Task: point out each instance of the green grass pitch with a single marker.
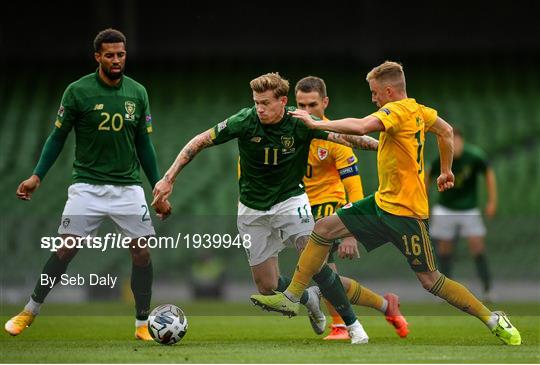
(235, 333)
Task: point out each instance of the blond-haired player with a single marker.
(274, 211)
(332, 180)
(398, 212)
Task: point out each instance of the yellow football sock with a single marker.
(336, 318)
(360, 295)
(460, 297)
(311, 260)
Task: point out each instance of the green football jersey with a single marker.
(273, 157)
(107, 120)
(466, 170)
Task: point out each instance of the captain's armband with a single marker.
(348, 171)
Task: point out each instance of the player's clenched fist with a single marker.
(445, 181)
(27, 187)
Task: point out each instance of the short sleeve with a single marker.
(344, 156)
(430, 116)
(67, 112)
(389, 119)
(231, 127)
(318, 134)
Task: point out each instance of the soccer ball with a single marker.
(167, 324)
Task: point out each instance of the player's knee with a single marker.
(428, 279)
(301, 243)
(444, 248)
(66, 254)
(141, 258)
(427, 285)
(477, 249)
(140, 254)
(323, 228)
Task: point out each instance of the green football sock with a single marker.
(483, 271)
(141, 286)
(54, 268)
(283, 283)
(333, 291)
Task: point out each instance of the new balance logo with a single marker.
(98, 107)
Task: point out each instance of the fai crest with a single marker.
(322, 153)
(287, 142)
(130, 109)
(66, 222)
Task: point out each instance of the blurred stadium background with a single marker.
(476, 64)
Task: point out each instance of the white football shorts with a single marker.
(272, 230)
(88, 205)
(448, 224)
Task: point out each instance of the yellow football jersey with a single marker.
(322, 180)
(400, 158)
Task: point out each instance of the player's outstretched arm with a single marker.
(361, 142)
(445, 140)
(354, 126)
(163, 188)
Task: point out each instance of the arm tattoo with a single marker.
(188, 153)
(361, 142)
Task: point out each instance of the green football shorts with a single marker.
(374, 227)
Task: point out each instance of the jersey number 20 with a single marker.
(116, 122)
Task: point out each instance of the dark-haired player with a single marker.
(110, 114)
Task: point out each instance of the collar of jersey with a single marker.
(102, 83)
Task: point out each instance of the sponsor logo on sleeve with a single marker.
(148, 120)
(351, 159)
(61, 111)
(387, 111)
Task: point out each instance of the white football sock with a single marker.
(140, 322)
(32, 306)
(384, 306)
